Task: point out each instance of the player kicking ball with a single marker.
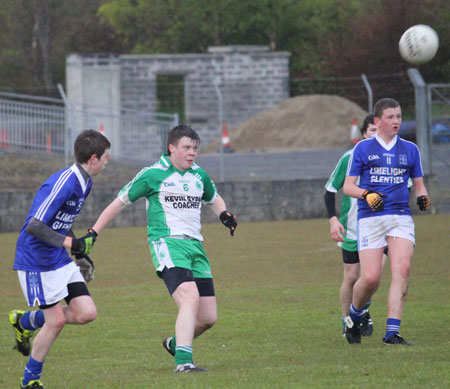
(384, 164)
(175, 188)
(47, 273)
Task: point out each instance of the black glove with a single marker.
(229, 220)
(86, 266)
(374, 199)
(84, 244)
(423, 202)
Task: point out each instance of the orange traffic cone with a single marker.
(4, 139)
(226, 139)
(102, 129)
(354, 132)
(49, 143)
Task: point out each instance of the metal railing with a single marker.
(31, 125)
(50, 125)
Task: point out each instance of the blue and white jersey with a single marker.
(385, 169)
(57, 204)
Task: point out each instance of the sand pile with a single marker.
(303, 122)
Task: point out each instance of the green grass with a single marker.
(277, 286)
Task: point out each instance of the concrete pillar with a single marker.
(93, 87)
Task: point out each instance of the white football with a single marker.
(418, 44)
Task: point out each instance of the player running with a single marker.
(47, 273)
(343, 230)
(175, 188)
(384, 164)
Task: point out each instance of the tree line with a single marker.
(326, 38)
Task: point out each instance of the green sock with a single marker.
(343, 321)
(367, 304)
(183, 354)
(172, 344)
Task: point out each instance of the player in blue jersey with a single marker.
(343, 230)
(384, 164)
(47, 273)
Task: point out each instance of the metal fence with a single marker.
(439, 112)
(42, 124)
(134, 135)
(38, 126)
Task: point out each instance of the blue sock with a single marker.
(392, 327)
(33, 371)
(32, 320)
(356, 314)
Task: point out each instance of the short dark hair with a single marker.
(88, 143)
(367, 120)
(176, 133)
(383, 104)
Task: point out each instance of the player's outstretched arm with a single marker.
(108, 214)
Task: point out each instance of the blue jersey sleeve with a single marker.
(416, 168)
(49, 200)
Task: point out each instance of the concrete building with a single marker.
(250, 79)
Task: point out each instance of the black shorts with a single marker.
(175, 276)
(75, 289)
(350, 257)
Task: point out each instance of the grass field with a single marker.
(277, 285)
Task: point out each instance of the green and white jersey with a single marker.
(349, 206)
(173, 198)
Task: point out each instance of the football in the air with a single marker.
(418, 44)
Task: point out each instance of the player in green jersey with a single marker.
(175, 188)
(343, 230)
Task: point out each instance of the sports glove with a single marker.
(84, 244)
(423, 202)
(229, 220)
(374, 199)
(86, 266)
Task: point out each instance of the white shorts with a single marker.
(373, 231)
(48, 287)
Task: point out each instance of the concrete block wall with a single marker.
(251, 201)
(251, 79)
